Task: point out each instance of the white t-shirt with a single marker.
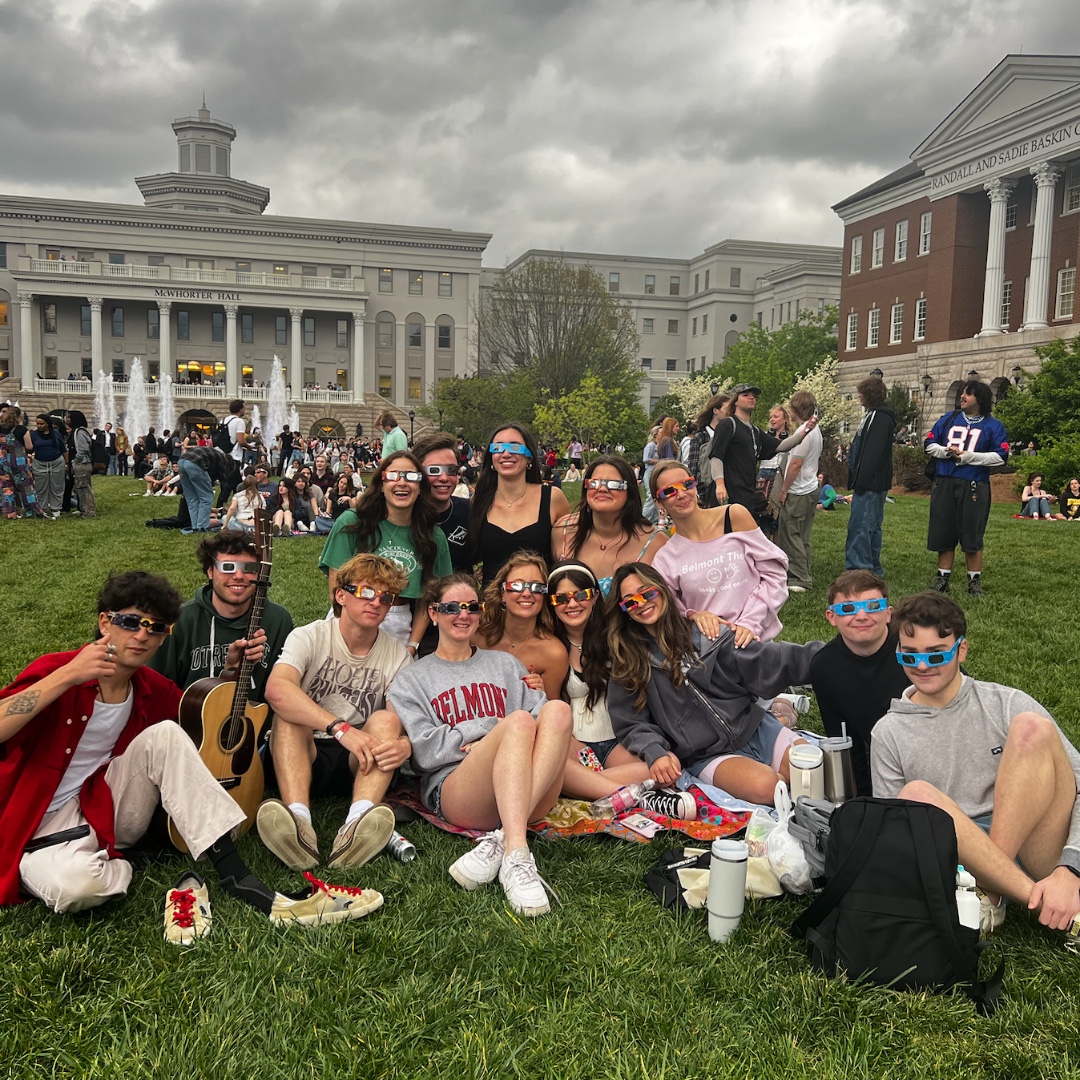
(236, 425)
(809, 452)
(349, 686)
(95, 747)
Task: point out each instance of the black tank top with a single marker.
(497, 545)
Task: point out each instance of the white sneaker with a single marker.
(481, 863)
(147, 494)
(187, 910)
(525, 889)
(991, 916)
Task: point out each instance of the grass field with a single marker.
(441, 982)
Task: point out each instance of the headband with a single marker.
(561, 569)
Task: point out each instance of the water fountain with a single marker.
(137, 415)
(102, 392)
(277, 413)
(166, 404)
(294, 419)
(256, 418)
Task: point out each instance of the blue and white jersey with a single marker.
(979, 434)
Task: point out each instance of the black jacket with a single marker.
(870, 457)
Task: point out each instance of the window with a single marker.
(385, 386)
(339, 272)
(896, 324)
(1066, 290)
(247, 329)
(3, 256)
(281, 330)
(444, 336)
(280, 268)
(873, 331)
(852, 331)
(183, 326)
(414, 335)
(52, 254)
(613, 282)
(153, 323)
(117, 258)
(82, 256)
(309, 331)
(85, 328)
(673, 326)
(384, 329)
(673, 285)
(707, 273)
(1010, 212)
(920, 318)
(117, 322)
(386, 281)
(118, 369)
(671, 365)
(446, 284)
(735, 277)
(900, 253)
(414, 387)
(697, 283)
(856, 254)
(343, 333)
(416, 282)
(217, 325)
(760, 318)
(52, 363)
(646, 363)
(308, 270)
(243, 266)
(1072, 188)
(1006, 304)
(704, 324)
(924, 232)
(877, 251)
(647, 326)
(693, 327)
(821, 305)
(48, 318)
(309, 376)
(650, 284)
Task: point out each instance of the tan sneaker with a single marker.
(288, 836)
(991, 916)
(187, 910)
(326, 904)
(361, 840)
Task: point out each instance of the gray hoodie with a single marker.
(715, 711)
(958, 749)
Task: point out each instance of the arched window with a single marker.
(729, 339)
(414, 331)
(444, 333)
(385, 325)
(327, 428)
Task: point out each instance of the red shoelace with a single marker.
(316, 885)
(183, 904)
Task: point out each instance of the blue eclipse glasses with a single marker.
(853, 607)
(509, 448)
(930, 659)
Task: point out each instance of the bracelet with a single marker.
(414, 645)
(329, 729)
(340, 734)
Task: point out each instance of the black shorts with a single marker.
(331, 773)
(959, 511)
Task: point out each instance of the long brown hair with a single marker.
(630, 518)
(488, 481)
(594, 657)
(493, 620)
(631, 645)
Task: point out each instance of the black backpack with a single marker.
(223, 438)
(887, 915)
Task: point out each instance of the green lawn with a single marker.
(441, 982)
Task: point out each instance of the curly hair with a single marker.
(493, 620)
(150, 593)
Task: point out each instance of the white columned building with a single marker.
(1038, 295)
(999, 192)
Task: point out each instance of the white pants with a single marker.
(161, 765)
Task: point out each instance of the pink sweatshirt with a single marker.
(741, 577)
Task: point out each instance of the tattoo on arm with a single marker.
(23, 703)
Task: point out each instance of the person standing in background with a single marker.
(869, 477)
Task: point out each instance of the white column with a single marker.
(232, 380)
(401, 385)
(356, 380)
(999, 191)
(26, 368)
(165, 339)
(427, 389)
(1037, 300)
(296, 341)
(97, 349)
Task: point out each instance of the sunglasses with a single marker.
(561, 598)
(611, 485)
(366, 592)
(509, 448)
(456, 607)
(930, 659)
(646, 596)
(134, 623)
(853, 607)
(442, 470)
(673, 489)
(525, 586)
(231, 566)
(393, 475)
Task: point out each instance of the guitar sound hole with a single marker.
(232, 736)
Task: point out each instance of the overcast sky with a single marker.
(646, 127)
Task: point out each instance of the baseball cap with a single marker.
(745, 388)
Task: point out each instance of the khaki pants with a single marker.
(793, 537)
(161, 765)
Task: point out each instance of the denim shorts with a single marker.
(767, 745)
(602, 748)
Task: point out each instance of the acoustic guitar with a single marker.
(222, 723)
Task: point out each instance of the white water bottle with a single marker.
(727, 887)
(618, 802)
(967, 900)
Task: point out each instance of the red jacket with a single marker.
(34, 759)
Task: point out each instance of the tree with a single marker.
(904, 409)
(559, 322)
(472, 405)
(834, 409)
(593, 412)
(774, 359)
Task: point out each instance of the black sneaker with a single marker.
(975, 585)
(672, 804)
(940, 582)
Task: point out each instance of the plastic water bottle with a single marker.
(727, 888)
(967, 900)
(618, 802)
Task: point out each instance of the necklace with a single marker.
(576, 644)
(511, 502)
(514, 644)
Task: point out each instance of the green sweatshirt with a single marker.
(185, 656)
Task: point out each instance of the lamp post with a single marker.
(440, 419)
(927, 394)
(1017, 374)
(973, 375)
(412, 420)
(877, 373)
(715, 388)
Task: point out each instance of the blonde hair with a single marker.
(493, 620)
(378, 572)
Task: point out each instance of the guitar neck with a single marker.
(263, 544)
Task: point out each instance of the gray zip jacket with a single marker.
(715, 711)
